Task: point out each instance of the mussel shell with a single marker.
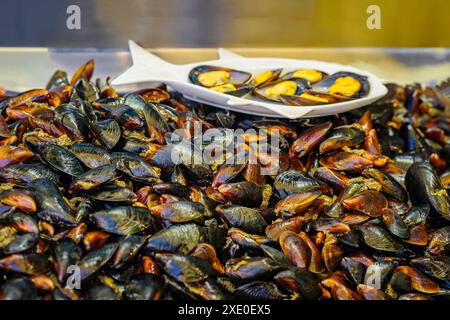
(23, 173)
(53, 208)
(299, 85)
(61, 159)
(177, 238)
(91, 155)
(295, 248)
(395, 224)
(225, 173)
(354, 270)
(436, 266)
(416, 215)
(107, 132)
(95, 260)
(266, 76)
(122, 220)
(127, 117)
(296, 203)
(73, 120)
(440, 241)
(316, 75)
(309, 139)
(235, 76)
(157, 126)
(371, 293)
(247, 219)
(327, 83)
(23, 222)
(378, 273)
(368, 202)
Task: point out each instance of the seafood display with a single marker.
(107, 195)
(302, 87)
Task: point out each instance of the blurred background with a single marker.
(413, 43)
(227, 23)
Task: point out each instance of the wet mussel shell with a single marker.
(123, 220)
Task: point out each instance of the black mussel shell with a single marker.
(107, 132)
(347, 84)
(122, 220)
(212, 76)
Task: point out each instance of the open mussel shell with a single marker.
(380, 239)
(273, 90)
(237, 90)
(265, 77)
(345, 84)
(211, 76)
(25, 263)
(177, 238)
(184, 268)
(294, 181)
(93, 178)
(135, 166)
(179, 211)
(300, 281)
(23, 173)
(67, 253)
(51, 205)
(246, 219)
(113, 193)
(18, 289)
(310, 75)
(95, 260)
(144, 287)
(259, 290)
(100, 291)
(255, 268)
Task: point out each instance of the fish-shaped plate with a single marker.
(147, 67)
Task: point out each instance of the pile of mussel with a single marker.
(302, 87)
(93, 204)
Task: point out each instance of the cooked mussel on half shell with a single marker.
(275, 90)
(221, 79)
(310, 75)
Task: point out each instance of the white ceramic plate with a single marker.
(148, 68)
